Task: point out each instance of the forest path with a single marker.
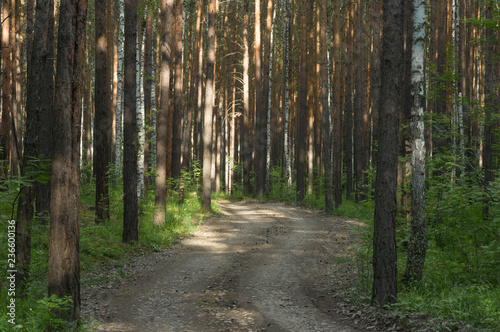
(258, 267)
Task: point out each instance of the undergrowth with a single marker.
(101, 247)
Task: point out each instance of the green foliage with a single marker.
(101, 245)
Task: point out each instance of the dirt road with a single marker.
(259, 267)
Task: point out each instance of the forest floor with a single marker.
(257, 267)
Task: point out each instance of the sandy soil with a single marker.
(258, 267)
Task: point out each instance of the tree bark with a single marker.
(5, 133)
(38, 101)
(337, 108)
(162, 131)
(491, 104)
(418, 237)
(209, 102)
(130, 200)
(102, 116)
(348, 148)
(302, 111)
(327, 157)
(384, 289)
(64, 233)
(178, 111)
(147, 82)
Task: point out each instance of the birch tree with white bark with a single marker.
(418, 237)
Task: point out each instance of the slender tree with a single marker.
(384, 289)
(39, 101)
(418, 237)
(130, 200)
(337, 107)
(327, 157)
(178, 111)
(5, 123)
(302, 110)
(162, 132)
(102, 115)
(491, 102)
(209, 102)
(64, 233)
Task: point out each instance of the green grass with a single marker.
(101, 247)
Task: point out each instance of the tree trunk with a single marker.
(384, 289)
(102, 115)
(130, 201)
(327, 157)
(5, 132)
(359, 107)
(302, 111)
(178, 111)
(286, 94)
(209, 102)
(162, 131)
(246, 154)
(418, 237)
(337, 108)
(491, 105)
(348, 148)
(38, 101)
(147, 82)
(64, 233)
(119, 93)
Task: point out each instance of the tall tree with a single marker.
(348, 146)
(491, 101)
(39, 101)
(209, 102)
(148, 83)
(302, 110)
(359, 106)
(384, 289)
(418, 237)
(5, 130)
(246, 154)
(178, 111)
(64, 233)
(327, 156)
(337, 107)
(162, 131)
(102, 115)
(130, 200)
(260, 114)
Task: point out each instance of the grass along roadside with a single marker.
(101, 248)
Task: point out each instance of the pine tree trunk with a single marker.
(359, 107)
(64, 266)
(246, 154)
(130, 187)
(491, 106)
(337, 108)
(5, 132)
(302, 111)
(348, 146)
(327, 157)
(102, 116)
(178, 111)
(209, 102)
(39, 96)
(162, 132)
(384, 289)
